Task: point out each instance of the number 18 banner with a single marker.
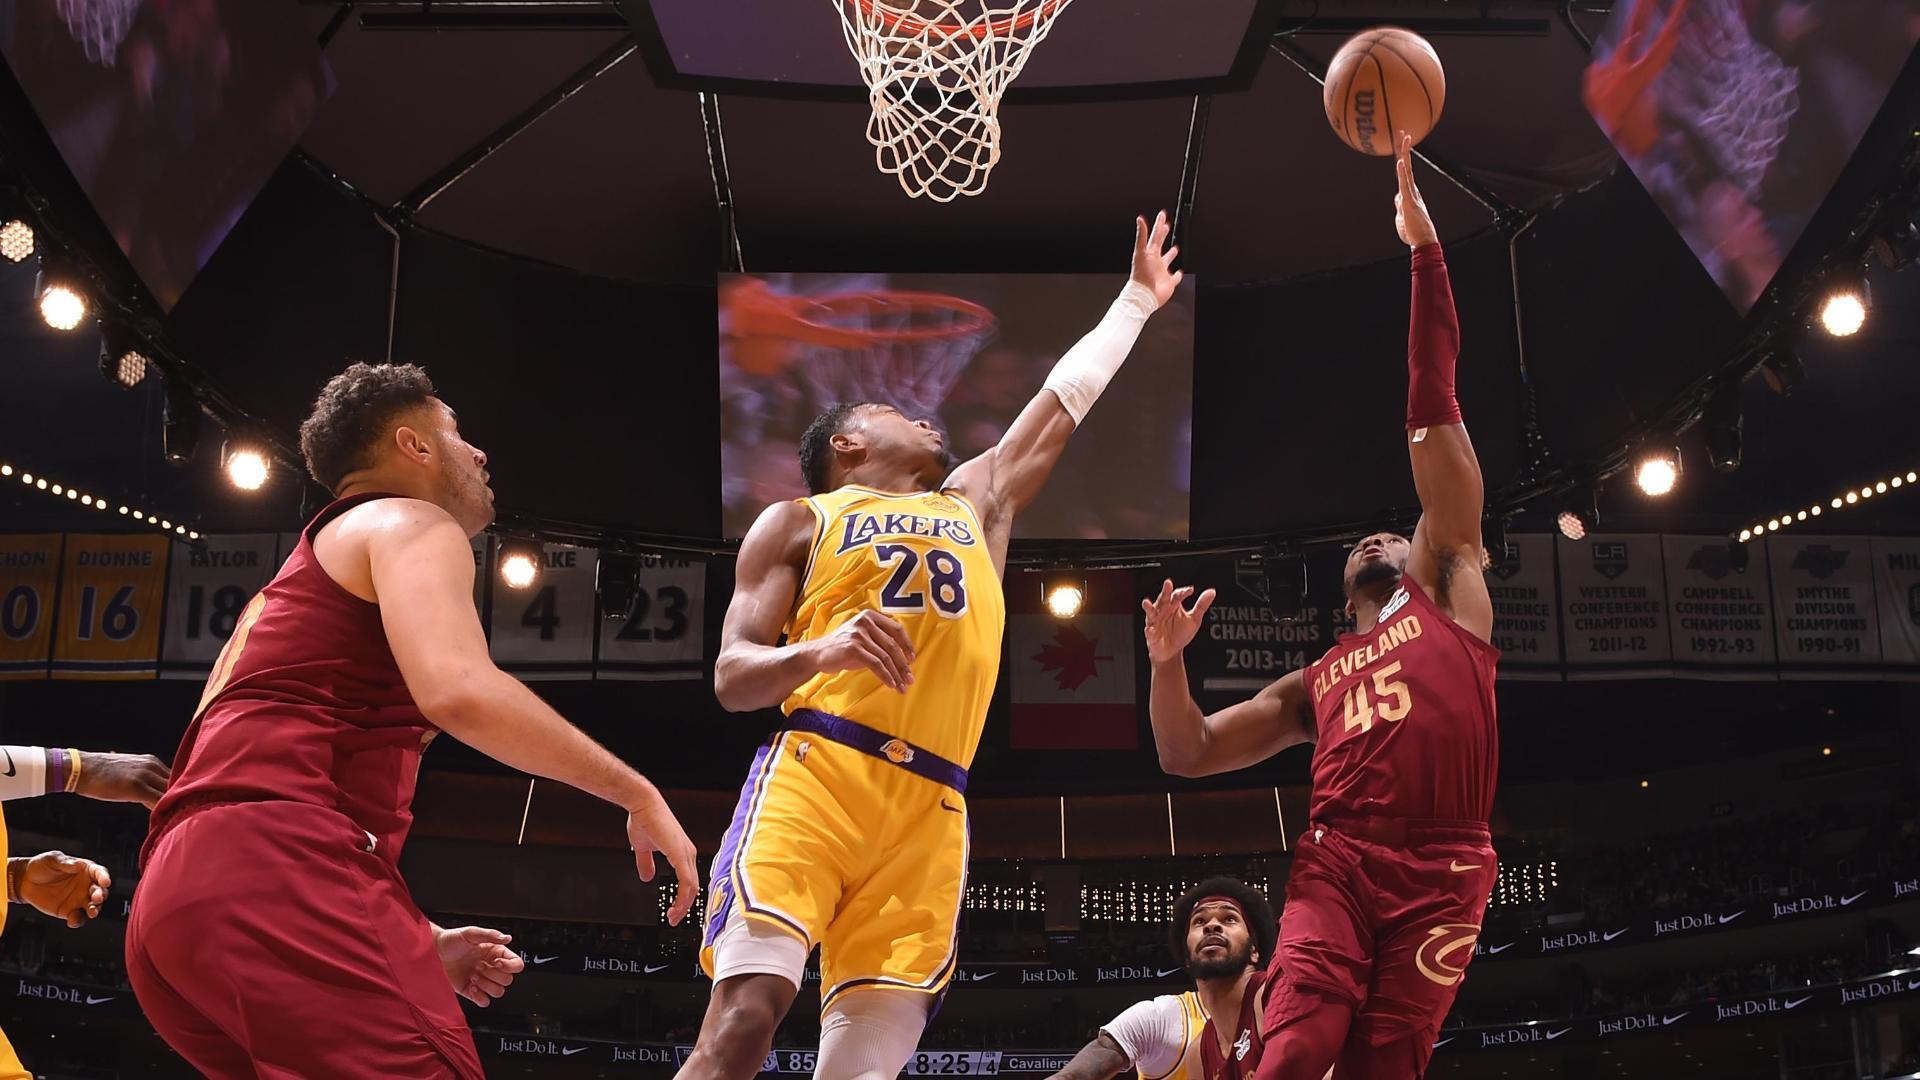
(110, 595)
(208, 589)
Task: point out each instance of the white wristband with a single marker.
(1085, 370)
(23, 772)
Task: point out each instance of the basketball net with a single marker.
(1735, 94)
(98, 26)
(935, 77)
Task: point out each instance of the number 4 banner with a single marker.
(110, 596)
(545, 631)
(209, 587)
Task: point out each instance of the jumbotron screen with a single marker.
(966, 352)
(1737, 116)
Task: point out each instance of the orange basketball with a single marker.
(1382, 81)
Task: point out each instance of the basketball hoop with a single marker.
(935, 78)
(98, 26)
(905, 349)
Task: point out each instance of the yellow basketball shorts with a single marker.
(851, 853)
(10, 1068)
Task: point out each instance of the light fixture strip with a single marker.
(1848, 497)
(39, 482)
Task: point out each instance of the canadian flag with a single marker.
(1073, 678)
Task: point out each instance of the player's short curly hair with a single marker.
(1261, 925)
(816, 444)
(353, 413)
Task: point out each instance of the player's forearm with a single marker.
(749, 676)
(497, 715)
(1179, 726)
(1433, 344)
(33, 770)
(1084, 372)
(1101, 1059)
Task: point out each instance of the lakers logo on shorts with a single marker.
(897, 751)
(1443, 956)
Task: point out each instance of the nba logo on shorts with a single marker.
(897, 751)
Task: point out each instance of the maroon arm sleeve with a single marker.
(1433, 343)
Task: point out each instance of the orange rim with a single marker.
(760, 313)
(912, 24)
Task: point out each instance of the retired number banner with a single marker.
(1896, 575)
(29, 584)
(545, 631)
(664, 639)
(207, 589)
(111, 591)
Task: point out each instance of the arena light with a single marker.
(247, 465)
(1658, 471)
(1848, 497)
(1064, 592)
(123, 358)
(1726, 430)
(179, 423)
(519, 563)
(1844, 309)
(17, 240)
(58, 295)
(80, 497)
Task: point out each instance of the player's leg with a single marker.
(327, 967)
(1324, 960)
(1398, 1059)
(756, 968)
(870, 1034)
(211, 1051)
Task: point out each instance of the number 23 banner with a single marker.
(111, 592)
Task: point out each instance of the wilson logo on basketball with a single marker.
(1443, 956)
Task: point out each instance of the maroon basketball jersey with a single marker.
(305, 704)
(1405, 715)
(1246, 1042)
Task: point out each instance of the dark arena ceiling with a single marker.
(560, 182)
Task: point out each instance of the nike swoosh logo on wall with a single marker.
(1459, 867)
(651, 968)
(1611, 934)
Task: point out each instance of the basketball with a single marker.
(1381, 81)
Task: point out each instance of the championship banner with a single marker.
(29, 586)
(1073, 684)
(546, 631)
(1823, 590)
(1244, 645)
(1613, 600)
(1896, 580)
(112, 588)
(1526, 615)
(207, 589)
(1722, 617)
(665, 640)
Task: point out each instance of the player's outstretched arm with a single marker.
(1101, 1059)
(1008, 477)
(422, 572)
(34, 770)
(1194, 743)
(1445, 560)
(753, 670)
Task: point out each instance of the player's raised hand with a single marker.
(57, 884)
(652, 827)
(478, 962)
(1153, 266)
(1410, 217)
(140, 778)
(873, 641)
(1171, 624)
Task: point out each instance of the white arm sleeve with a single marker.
(25, 772)
(1085, 370)
(1152, 1033)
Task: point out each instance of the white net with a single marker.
(935, 72)
(1735, 95)
(909, 355)
(99, 26)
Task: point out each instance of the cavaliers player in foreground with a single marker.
(1391, 880)
(872, 613)
(271, 934)
(1222, 934)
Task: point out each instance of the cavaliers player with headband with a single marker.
(272, 934)
(871, 613)
(1223, 936)
(1391, 880)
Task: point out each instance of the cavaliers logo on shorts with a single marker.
(1443, 956)
(897, 751)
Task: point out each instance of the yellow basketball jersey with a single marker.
(922, 559)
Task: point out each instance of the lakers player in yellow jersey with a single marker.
(1223, 931)
(871, 614)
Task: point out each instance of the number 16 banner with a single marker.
(209, 587)
(110, 595)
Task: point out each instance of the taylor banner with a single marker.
(208, 588)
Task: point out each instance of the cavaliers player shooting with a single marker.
(1391, 879)
(272, 934)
